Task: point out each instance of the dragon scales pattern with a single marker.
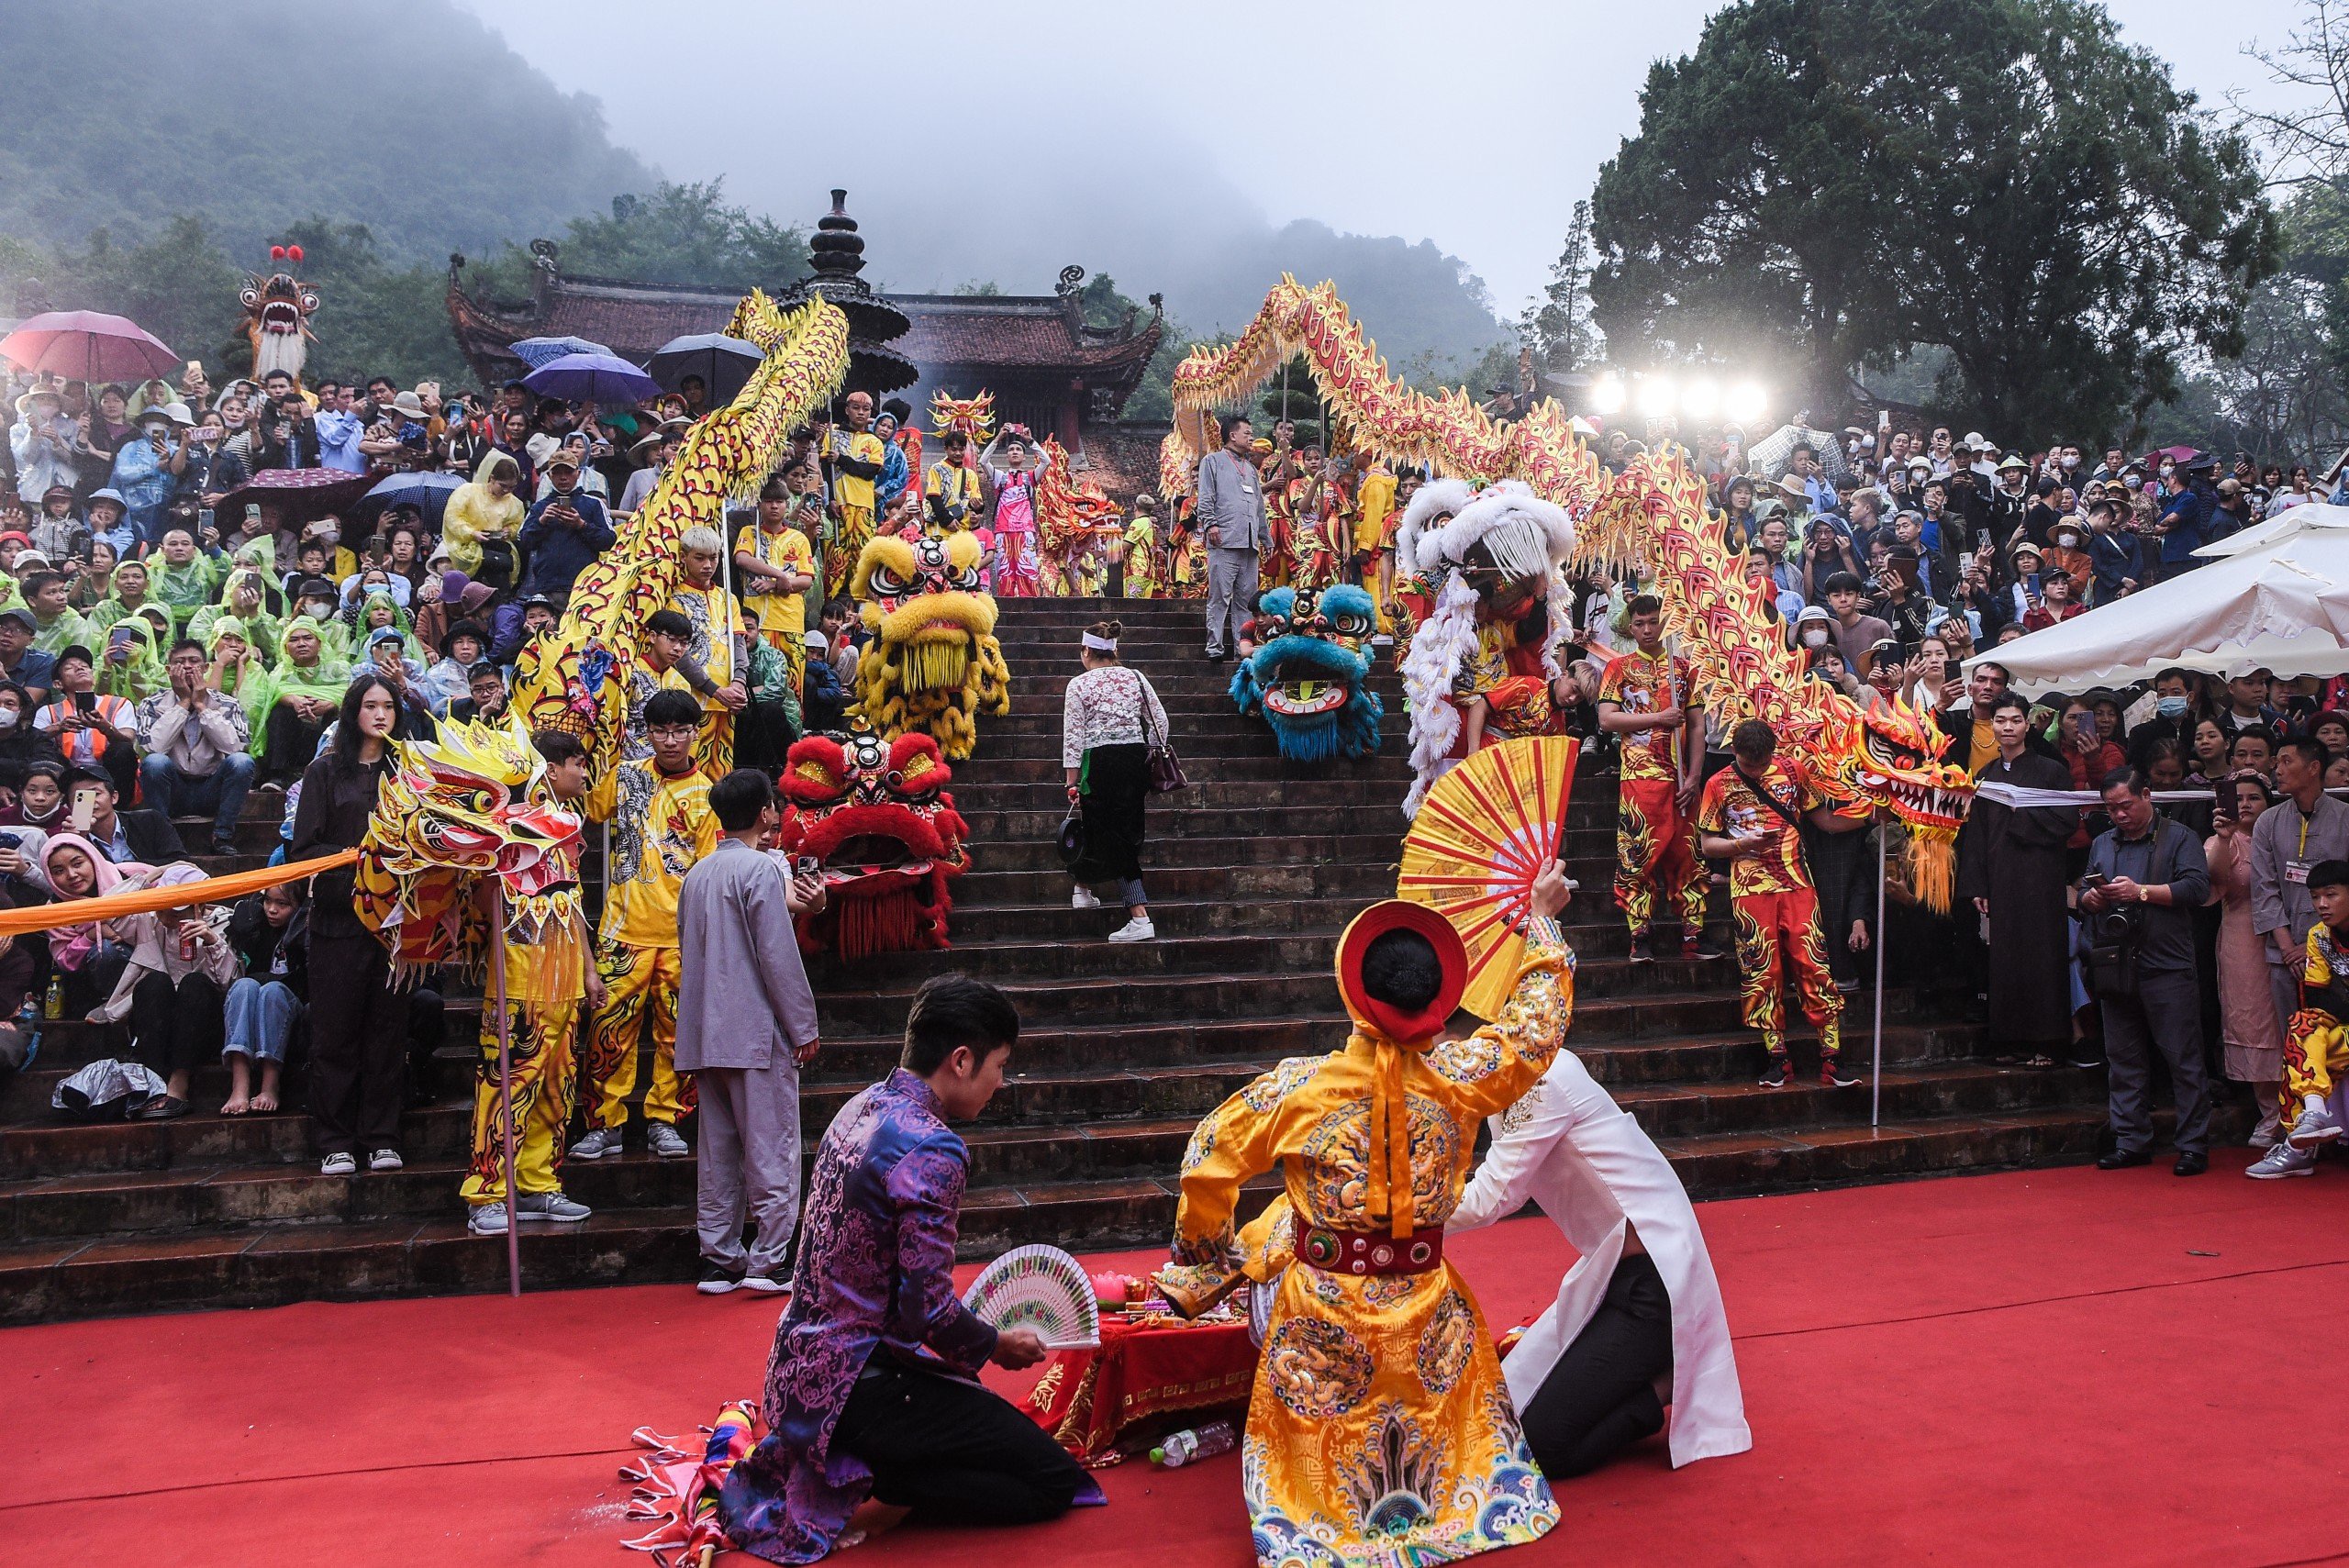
(575, 680)
(1651, 519)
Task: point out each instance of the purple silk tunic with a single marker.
(876, 1273)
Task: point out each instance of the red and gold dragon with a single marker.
(872, 819)
(1072, 516)
(1651, 518)
(574, 678)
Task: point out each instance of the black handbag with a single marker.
(1072, 840)
(1165, 767)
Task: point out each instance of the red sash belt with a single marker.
(1371, 1251)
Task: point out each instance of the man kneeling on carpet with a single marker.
(2316, 1040)
(872, 1390)
(1638, 1323)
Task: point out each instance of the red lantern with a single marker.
(293, 254)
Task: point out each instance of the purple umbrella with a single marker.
(590, 378)
(87, 345)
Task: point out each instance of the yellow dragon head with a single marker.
(933, 662)
(452, 813)
(973, 416)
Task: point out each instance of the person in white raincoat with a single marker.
(1586, 1376)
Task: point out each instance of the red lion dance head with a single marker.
(873, 820)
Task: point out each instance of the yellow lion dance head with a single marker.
(934, 664)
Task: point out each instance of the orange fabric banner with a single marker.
(147, 900)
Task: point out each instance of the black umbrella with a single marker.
(723, 363)
(428, 492)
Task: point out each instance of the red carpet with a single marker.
(2064, 1366)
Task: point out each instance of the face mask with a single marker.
(2067, 542)
(1815, 639)
(2170, 708)
(2168, 473)
(2071, 462)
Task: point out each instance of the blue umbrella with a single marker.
(590, 378)
(537, 352)
(428, 492)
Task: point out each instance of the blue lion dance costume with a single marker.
(1310, 674)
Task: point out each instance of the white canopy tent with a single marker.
(2281, 606)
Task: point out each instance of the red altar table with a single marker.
(1146, 1367)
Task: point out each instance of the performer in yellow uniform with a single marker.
(855, 455)
(1379, 1433)
(659, 812)
(775, 564)
(1374, 504)
(544, 983)
(1141, 553)
(953, 497)
(717, 646)
(2316, 1043)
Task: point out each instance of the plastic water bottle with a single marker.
(28, 1021)
(54, 1004)
(1193, 1444)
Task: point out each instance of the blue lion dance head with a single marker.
(1309, 674)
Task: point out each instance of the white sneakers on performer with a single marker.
(386, 1160)
(486, 1219)
(665, 1140)
(1138, 930)
(596, 1144)
(345, 1165)
(2316, 1126)
(1083, 899)
(2284, 1160)
(556, 1207)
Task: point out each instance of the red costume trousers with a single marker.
(1656, 852)
(1769, 924)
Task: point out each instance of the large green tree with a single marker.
(1829, 184)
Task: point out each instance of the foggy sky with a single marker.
(1105, 131)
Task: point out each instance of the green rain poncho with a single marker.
(141, 673)
(182, 590)
(245, 598)
(366, 624)
(251, 685)
(112, 608)
(324, 680)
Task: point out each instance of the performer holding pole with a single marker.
(1376, 1433)
(523, 1098)
(1645, 698)
(1752, 815)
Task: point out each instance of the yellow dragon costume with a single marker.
(934, 664)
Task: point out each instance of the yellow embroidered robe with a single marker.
(1379, 1434)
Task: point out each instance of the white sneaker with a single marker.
(386, 1160)
(338, 1165)
(1138, 930)
(765, 1285)
(1083, 899)
(2316, 1126)
(2284, 1160)
(486, 1219)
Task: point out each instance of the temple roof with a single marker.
(1000, 338)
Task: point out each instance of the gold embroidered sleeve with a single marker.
(1496, 1064)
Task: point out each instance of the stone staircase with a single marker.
(1252, 873)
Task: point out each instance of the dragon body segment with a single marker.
(1070, 515)
(1650, 517)
(575, 679)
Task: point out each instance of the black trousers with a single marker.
(952, 1451)
(175, 1029)
(359, 1042)
(1600, 1398)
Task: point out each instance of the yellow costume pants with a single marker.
(2316, 1052)
(543, 1069)
(637, 980)
(848, 543)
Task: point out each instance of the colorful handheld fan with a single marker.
(1041, 1288)
(1483, 834)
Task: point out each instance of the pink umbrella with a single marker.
(87, 345)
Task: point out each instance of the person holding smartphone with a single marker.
(91, 730)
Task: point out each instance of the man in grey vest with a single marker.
(1231, 519)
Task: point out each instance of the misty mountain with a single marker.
(418, 121)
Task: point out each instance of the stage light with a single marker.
(1702, 398)
(1606, 394)
(1658, 396)
(1747, 403)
